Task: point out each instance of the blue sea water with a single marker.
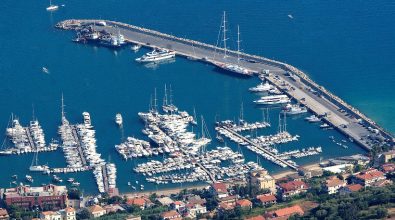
(347, 47)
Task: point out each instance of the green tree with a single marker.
(84, 214)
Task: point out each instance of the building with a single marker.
(141, 202)
(96, 211)
(350, 188)
(171, 215)
(388, 168)
(50, 215)
(267, 199)
(225, 206)
(220, 190)
(333, 184)
(292, 188)
(263, 180)
(258, 217)
(368, 177)
(133, 217)
(166, 201)
(64, 214)
(178, 205)
(192, 210)
(244, 203)
(387, 156)
(285, 213)
(49, 197)
(113, 208)
(68, 213)
(4, 214)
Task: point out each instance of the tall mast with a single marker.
(224, 30)
(241, 117)
(238, 43)
(171, 96)
(155, 107)
(63, 117)
(285, 122)
(165, 98)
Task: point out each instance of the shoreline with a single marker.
(164, 192)
(310, 166)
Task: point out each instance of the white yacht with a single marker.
(52, 7)
(263, 87)
(118, 119)
(234, 68)
(34, 167)
(313, 119)
(87, 119)
(295, 109)
(272, 100)
(156, 55)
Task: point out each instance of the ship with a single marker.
(262, 87)
(157, 55)
(295, 109)
(273, 100)
(234, 68)
(118, 119)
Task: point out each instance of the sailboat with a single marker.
(194, 122)
(34, 167)
(230, 67)
(52, 7)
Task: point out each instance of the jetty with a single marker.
(332, 109)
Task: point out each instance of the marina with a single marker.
(351, 122)
(107, 80)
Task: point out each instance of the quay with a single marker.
(275, 157)
(333, 110)
(79, 147)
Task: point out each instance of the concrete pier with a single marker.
(334, 111)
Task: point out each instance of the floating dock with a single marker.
(334, 111)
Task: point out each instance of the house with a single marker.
(350, 188)
(141, 202)
(50, 215)
(229, 199)
(96, 211)
(267, 199)
(333, 184)
(133, 217)
(244, 203)
(220, 190)
(75, 203)
(166, 201)
(68, 213)
(171, 215)
(368, 177)
(285, 213)
(293, 188)
(113, 208)
(178, 205)
(45, 197)
(258, 217)
(387, 156)
(388, 168)
(192, 210)
(224, 206)
(195, 199)
(381, 183)
(263, 180)
(4, 214)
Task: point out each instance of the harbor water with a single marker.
(347, 49)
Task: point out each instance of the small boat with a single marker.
(263, 87)
(118, 119)
(70, 180)
(290, 16)
(325, 125)
(45, 70)
(56, 179)
(15, 176)
(135, 47)
(312, 119)
(52, 7)
(29, 178)
(129, 184)
(75, 184)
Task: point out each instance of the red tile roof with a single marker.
(289, 211)
(244, 203)
(266, 198)
(259, 217)
(370, 174)
(170, 214)
(293, 185)
(178, 203)
(388, 167)
(226, 206)
(354, 187)
(220, 187)
(3, 212)
(137, 201)
(334, 181)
